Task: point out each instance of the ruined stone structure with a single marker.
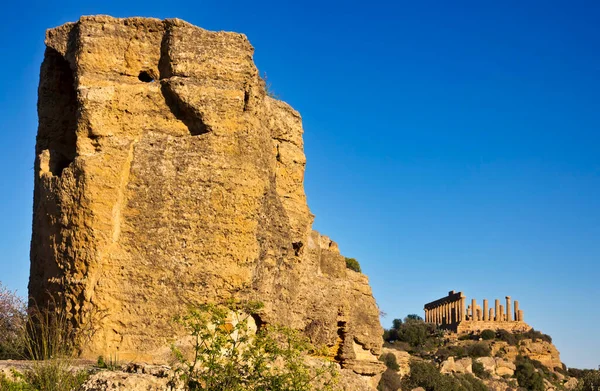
(166, 176)
(453, 313)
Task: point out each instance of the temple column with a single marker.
(473, 309)
(455, 312)
(497, 311)
(517, 310)
(501, 313)
(463, 312)
(485, 309)
(491, 317)
(509, 316)
(521, 315)
(446, 311)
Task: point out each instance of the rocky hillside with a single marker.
(420, 355)
(166, 176)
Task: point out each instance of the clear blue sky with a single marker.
(449, 146)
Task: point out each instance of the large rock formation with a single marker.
(165, 175)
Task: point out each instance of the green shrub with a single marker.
(514, 338)
(426, 375)
(55, 375)
(390, 381)
(589, 379)
(488, 335)
(527, 376)
(390, 335)
(478, 350)
(423, 374)
(419, 336)
(17, 384)
(480, 371)
(468, 382)
(353, 264)
(451, 351)
(390, 361)
(534, 335)
(228, 356)
(507, 337)
(111, 364)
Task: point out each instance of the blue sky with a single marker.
(450, 146)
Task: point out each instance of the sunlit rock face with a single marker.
(165, 176)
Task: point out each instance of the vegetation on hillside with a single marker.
(413, 334)
(227, 355)
(431, 347)
(589, 379)
(352, 264)
(427, 375)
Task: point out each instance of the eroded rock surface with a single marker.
(166, 176)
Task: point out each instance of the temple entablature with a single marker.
(453, 313)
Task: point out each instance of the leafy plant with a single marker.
(228, 355)
(55, 375)
(111, 364)
(16, 384)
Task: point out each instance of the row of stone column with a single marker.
(497, 314)
(451, 310)
(447, 313)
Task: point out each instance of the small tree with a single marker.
(13, 317)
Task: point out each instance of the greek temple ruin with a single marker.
(453, 313)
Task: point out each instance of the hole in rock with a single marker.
(260, 324)
(58, 162)
(146, 77)
(57, 108)
(297, 247)
(246, 100)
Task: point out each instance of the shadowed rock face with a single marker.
(165, 176)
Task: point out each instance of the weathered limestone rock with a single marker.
(497, 366)
(542, 351)
(504, 367)
(166, 176)
(463, 365)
